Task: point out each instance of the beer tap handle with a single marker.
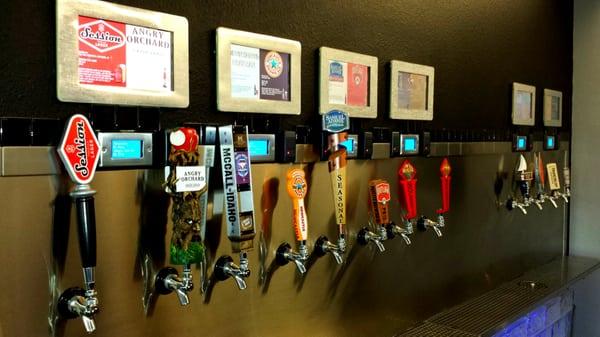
(408, 189)
(445, 180)
(86, 225)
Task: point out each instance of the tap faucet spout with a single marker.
(324, 246)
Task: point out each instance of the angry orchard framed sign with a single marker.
(114, 54)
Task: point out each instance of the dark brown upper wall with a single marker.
(478, 49)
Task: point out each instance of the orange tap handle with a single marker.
(445, 180)
(407, 183)
(297, 188)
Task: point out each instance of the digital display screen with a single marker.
(260, 74)
(410, 144)
(550, 142)
(258, 147)
(117, 54)
(126, 149)
(521, 143)
(349, 145)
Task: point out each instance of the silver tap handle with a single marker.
(564, 196)
(337, 256)
(552, 201)
(182, 296)
(174, 283)
(88, 323)
(77, 306)
(300, 266)
(406, 238)
(437, 231)
(520, 206)
(538, 204)
(379, 245)
(241, 283)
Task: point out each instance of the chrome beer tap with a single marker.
(79, 151)
(168, 281)
(297, 187)
(445, 179)
(393, 230)
(336, 123)
(379, 198)
(285, 254)
(540, 180)
(522, 178)
(186, 246)
(365, 236)
(226, 268)
(323, 246)
(238, 202)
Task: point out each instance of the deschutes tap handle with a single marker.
(86, 228)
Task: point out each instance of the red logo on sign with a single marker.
(79, 150)
(383, 192)
(101, 36)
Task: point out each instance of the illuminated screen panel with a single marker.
(348, 144)
(117, 54)
(260, 74)
(258, 147)
(410, 144)
(521, 143)
(126, 149)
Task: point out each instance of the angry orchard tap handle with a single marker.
(445, 180)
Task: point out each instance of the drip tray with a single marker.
(492, 311)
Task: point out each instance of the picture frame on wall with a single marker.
(523, 104)
(347, 82)
(553, 103)
(113, 54)
(257, 73)
(411, 91)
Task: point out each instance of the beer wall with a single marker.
(478, 48)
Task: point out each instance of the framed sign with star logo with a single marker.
(347, 82)
(113, 54)
(411, 91)
(257, 73)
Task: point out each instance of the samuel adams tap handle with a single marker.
(79, 151)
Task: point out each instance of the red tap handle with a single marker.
(445, 180)
(407, 183)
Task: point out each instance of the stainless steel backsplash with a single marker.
(374, 294)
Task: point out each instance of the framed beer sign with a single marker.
(523, 104)
(114, 54)
(552, 108)
(257, 73)
(411, 91)
(347, 82)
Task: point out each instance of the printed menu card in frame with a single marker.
(257, 73)
(523, 104)
(347, 82)
(113, 54)
(552, 108)
(411, 91)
